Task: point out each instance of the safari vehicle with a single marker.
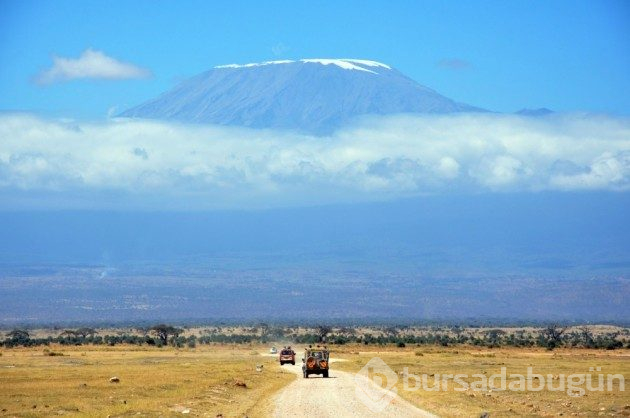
(287, 355)
(315, 361)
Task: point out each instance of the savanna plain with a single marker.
(243, 379)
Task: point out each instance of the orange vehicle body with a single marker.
(315, 361)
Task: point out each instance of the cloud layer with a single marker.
(162, 165)
(91, 64)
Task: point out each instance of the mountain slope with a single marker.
(313, 96)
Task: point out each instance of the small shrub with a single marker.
(419, 353)
(191, 343)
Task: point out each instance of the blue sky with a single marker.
(67, 66)
(565, 55)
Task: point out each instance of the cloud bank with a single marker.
(150, 164)
(91, 64)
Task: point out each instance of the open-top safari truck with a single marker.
(315, 361)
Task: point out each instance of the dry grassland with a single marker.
(498, 403)
(222, 379)
(205, 381)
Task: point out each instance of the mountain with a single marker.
(309, 95)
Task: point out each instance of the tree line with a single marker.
(160, 335)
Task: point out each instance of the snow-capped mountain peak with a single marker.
(308, 95)
(346, 64)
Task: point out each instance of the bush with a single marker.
(191, 342)
(613, 345)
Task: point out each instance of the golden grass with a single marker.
(472, 360)
(207, 381)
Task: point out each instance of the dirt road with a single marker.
(336, 397)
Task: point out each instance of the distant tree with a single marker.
(493, 337)
(552, 335)
(264, 329)
(18, 334)
(391, 331)
(348, 331)
(163, 331)
(586, 337)
(18, 337)
(86, 332)
(457, 330)
(76, 336)
(609, 341)
(191, 341)
(322, 331)
(142, 330)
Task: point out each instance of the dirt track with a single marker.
(334, 397)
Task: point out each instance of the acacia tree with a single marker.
(86, 332)
(552, 335)
(79, 333)
(264, 329)
(586, 336)
(392, 331)
(348, 331)
(17, 337)
(322, 332)
(493, 337)
(18, 334)
(457, 330)
(162, 331)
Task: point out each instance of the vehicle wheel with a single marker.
(325, 373)
(293, 363)
(305, 375)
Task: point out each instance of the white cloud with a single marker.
(91, 64)
(498, 171)
(158, 164)
(608, 170)
(448, 167)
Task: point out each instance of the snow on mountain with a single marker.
(346, 64)
(309, 95)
